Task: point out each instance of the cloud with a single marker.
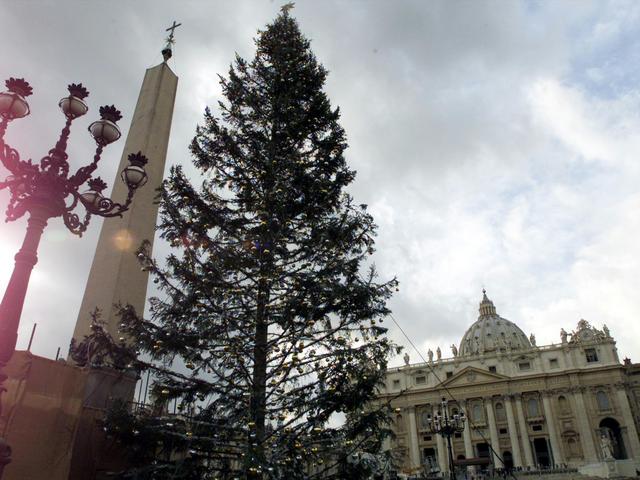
(599, 130)
(495, 143)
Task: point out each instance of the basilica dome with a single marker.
(492, 333)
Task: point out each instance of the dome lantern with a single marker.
(492, 333)
(487, 307)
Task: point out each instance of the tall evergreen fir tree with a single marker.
(269, 298)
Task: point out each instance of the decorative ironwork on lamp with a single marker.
(45, 190)
(445, 424)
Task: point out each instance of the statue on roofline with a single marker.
(563, 335)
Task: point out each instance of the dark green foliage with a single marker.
(267, 298)
(98, 349)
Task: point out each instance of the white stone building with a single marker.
(537, 406)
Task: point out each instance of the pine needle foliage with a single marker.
(268, 298)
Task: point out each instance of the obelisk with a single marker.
(116, 275)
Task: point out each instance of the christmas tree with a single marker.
(269, 300)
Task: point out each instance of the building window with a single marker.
(492, 368)
(500, 415)
(399, 424)
(429, 455)
(537, 428)
(424, 418)
(449, 374)
(573, 447)
(477, 412)
(503, 431)
(533, 409)
(603, 401)
(591, 354)
(563, 404)
(421, 380)
(553, 363)
(524, 366)
(457, 435)
(396, 384)
(427, 438)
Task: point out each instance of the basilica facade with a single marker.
(568, 404)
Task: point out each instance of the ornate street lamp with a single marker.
(45, 191)
(445, 424)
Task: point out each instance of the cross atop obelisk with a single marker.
(166, 51)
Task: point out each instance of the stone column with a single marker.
(442, 453)
(586, 433)
(466, 435)
(513, 432)
(493, 433)
(625, 410)
(524, 433)
(556, 446)
(414, 450)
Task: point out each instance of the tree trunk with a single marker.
(259, 390)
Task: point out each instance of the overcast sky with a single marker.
(496, 143)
